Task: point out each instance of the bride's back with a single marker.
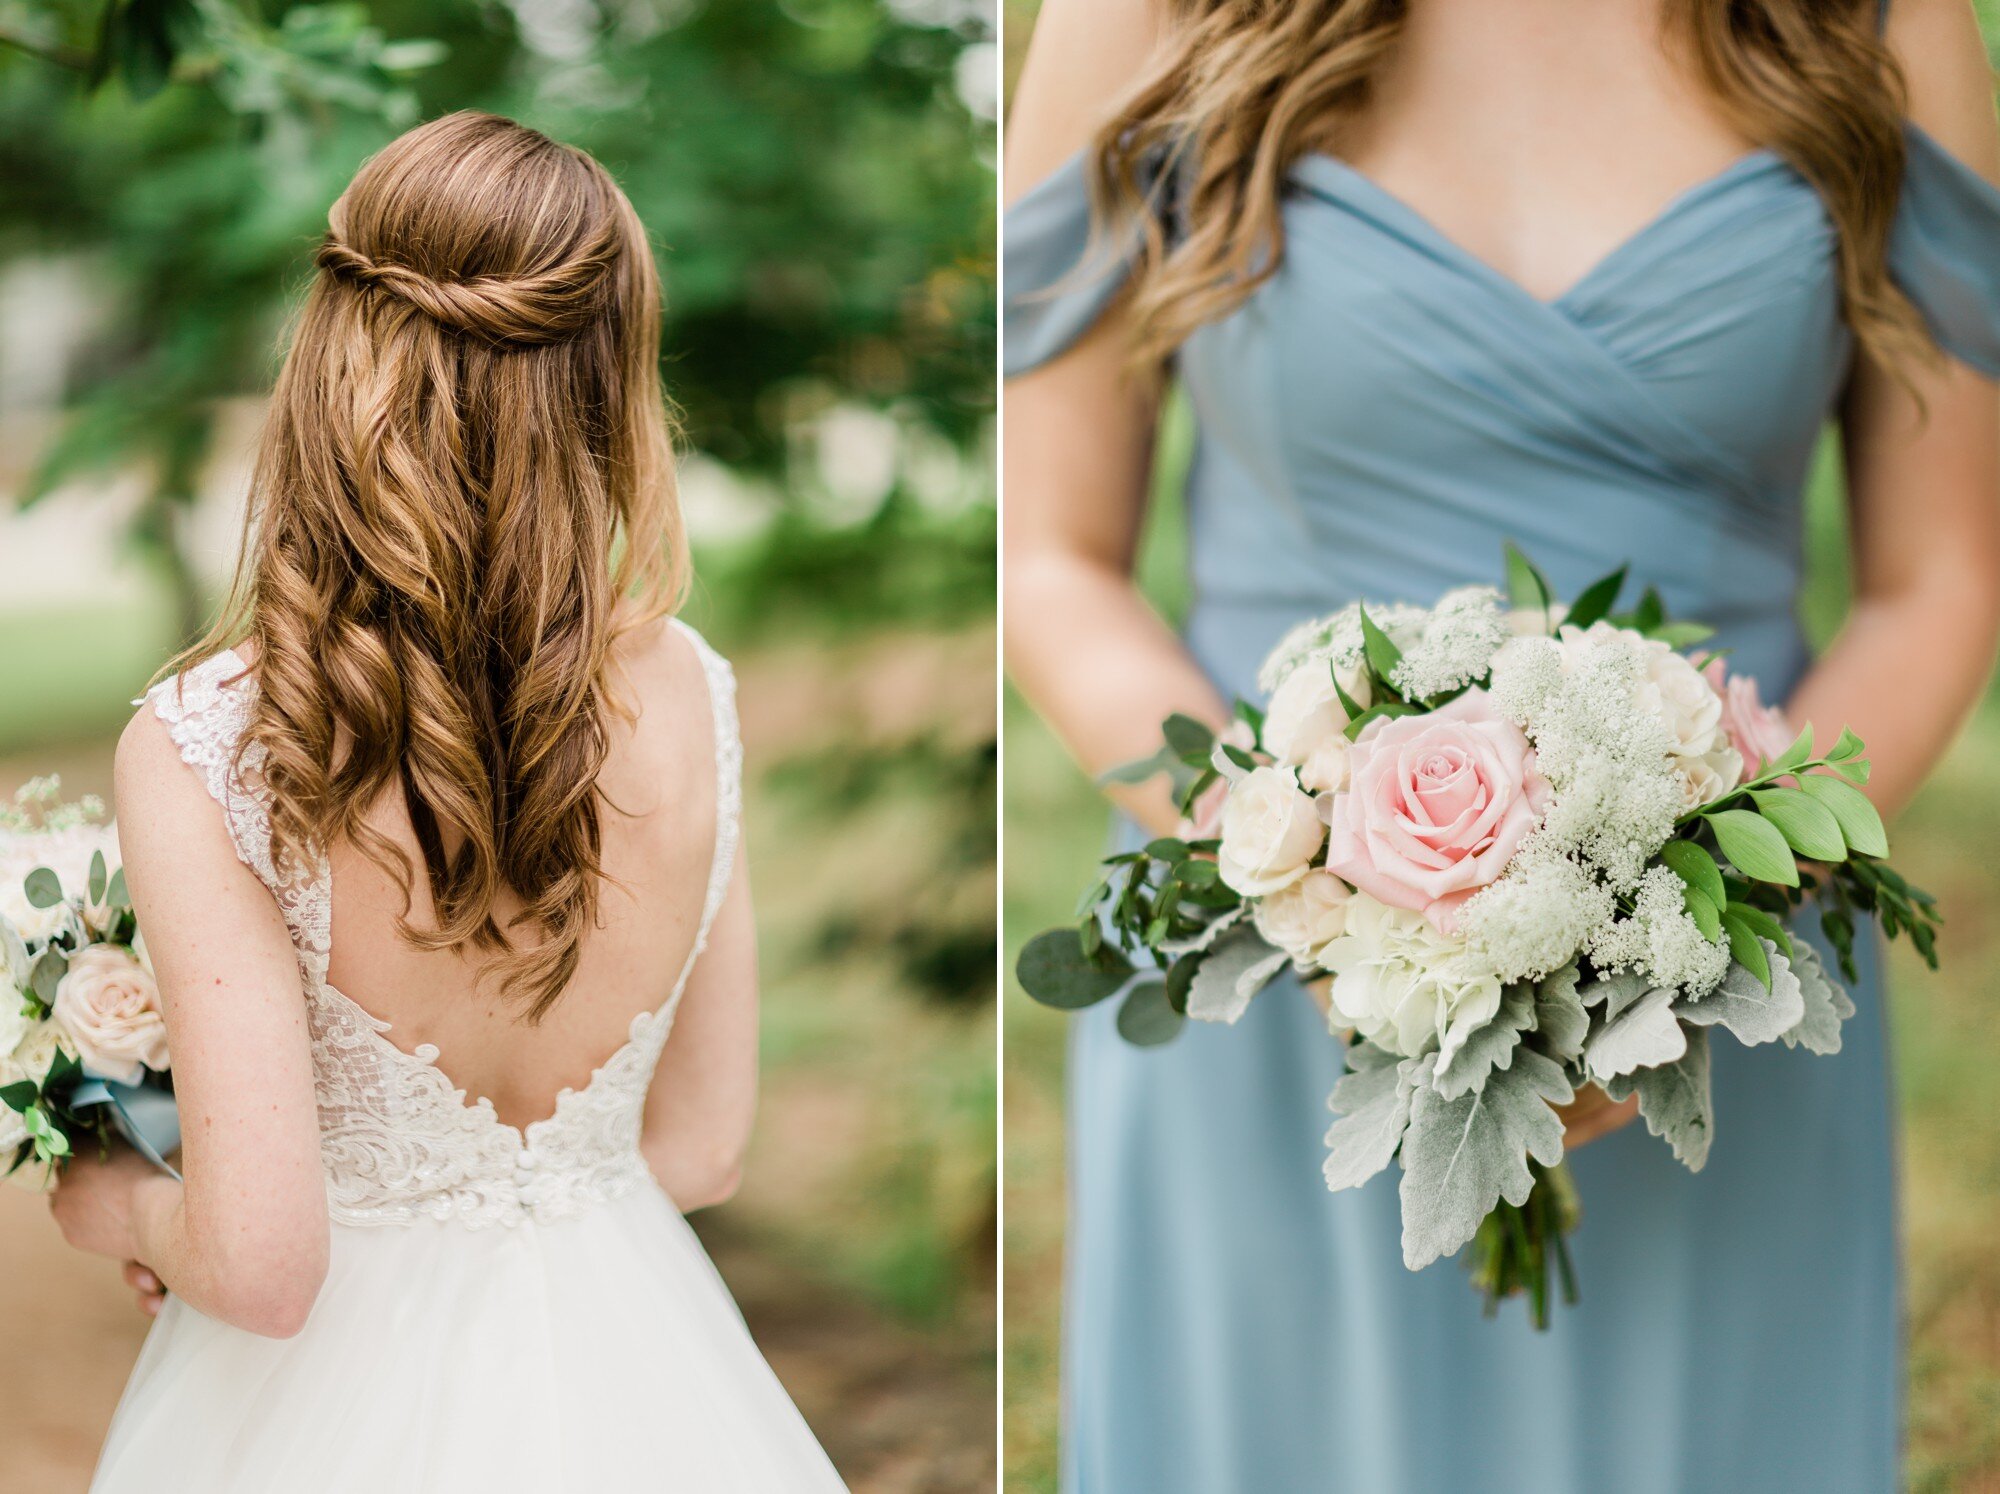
(659, 826)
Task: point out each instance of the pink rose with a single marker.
(108, 1005)
(1757, 731)
(1438, 805)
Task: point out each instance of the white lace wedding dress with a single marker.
(505, 1310)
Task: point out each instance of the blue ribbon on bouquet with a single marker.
(145, 1116)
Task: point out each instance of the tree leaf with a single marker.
(1597, 599)
(1054, 969)
(1527, 588)
(1826, 1005)
(1560, 1019)
(1374, 1109)
(1694, 866)
(44, 888)
(1754, 846)
(1489, 1047)
(1146, 1018)
(1676, 1100)
(1860, 824)
(1642, 1036)
(1236, 969)
(1807, 825)
(1746, 1007)
(1462, 1156)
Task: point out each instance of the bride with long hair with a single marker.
(435, 845)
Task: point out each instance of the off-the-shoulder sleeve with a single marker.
(1944, 251)
(1059, 273)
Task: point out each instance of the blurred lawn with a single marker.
(1946, 1029)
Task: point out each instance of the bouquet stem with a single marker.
(1519, 1246)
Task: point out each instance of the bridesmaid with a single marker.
(1436, 273)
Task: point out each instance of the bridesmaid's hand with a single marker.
(1592, 1114)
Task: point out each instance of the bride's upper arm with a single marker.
(1082, 56)
(229, 982)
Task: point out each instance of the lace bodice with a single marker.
(398, 1141)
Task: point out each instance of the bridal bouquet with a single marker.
(1526, 848)
(83, 1047)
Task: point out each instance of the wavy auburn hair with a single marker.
(1242, 88)
(466, 468)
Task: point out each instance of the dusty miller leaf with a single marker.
(1741, 1003)
(1641, 1036)
(1489, 1047)
(1373, 1104)
(1613, 992)
(1462, 1156)
(1560, 1018)
(1236, 969)
(1675, 1100)
(1827, 1004)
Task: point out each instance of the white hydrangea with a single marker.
(1459, 640)
(1659, 941)
(1405, 986)
(1537, 916)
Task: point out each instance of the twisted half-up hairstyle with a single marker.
(1240, 89)
(465, 492)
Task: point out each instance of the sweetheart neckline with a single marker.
(1326, 174)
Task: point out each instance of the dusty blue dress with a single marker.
(1374, 422)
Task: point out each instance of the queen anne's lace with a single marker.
(398, 1141)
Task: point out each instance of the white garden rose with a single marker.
(1537, 622)
(34, 1053)
(109, 1007)
(1403, 985)
(1304, 918)
(1305, 724)
(1270, 830)
(1675, 691)
(14, 1025)
(1707, 778)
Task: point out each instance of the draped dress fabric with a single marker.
(505, 1311)
(1373, 423)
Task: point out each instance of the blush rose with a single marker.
(109, 1007)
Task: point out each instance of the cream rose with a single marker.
(1403, 985)
(1270, 830)
(1304, 918)
(1675, 692)
(1438, 805)
(1305, 726)
(1707, 778)
(109, 1007)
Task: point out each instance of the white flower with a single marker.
(1707, 778)
(1304, 918)
(1305, 724)
(1538, 917)
(1270, 830)
(1457, 644)
(1686, 703)
(14, 1023)
(1405, 986)
(34, 1053)
(67, 852)
(1660, 941)
(109, 1008)
(1537, 622)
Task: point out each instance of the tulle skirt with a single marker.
(594, 1355)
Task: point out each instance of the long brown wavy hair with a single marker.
(1241, 89)
(464, 494)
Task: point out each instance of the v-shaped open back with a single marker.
(399, 1140)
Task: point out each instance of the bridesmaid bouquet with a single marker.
(83, 1047)
(1526, 848)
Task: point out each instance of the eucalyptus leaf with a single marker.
(1754, 846)
(1236, 969)
(1190, 738)
(1140, 770)
(1462, 1156)
(1676, 1100)
(1374, 1109)
(43, 887)
(51, 965)
(1055, 970)
(1146, 1017)
(1827, 1005)
(1560, 1019)
(98, 877)
(1807, 825)
(1859, 822)
(1490, 1046)
(1642, 1036)
(1746, 1007)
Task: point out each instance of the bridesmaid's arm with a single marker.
(703, 1097)
(1082, 644)
(1924, 486)
(245, 1238)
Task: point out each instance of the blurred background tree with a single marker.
(817, 177)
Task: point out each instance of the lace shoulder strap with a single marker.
(728, 795)
(206, 711)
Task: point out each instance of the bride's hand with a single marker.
(95, 1202)
(151, 1292)
(1592, 1114)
